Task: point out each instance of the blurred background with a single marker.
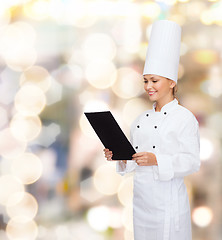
(59, 58)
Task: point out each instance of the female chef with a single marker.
(166, 141)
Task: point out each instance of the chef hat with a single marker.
(163, 51)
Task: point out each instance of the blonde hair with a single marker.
(175, 89)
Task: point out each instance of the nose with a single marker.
(148, 85)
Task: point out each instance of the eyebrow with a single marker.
(147, 79)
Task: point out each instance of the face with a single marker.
(157, 87)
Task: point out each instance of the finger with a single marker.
(141, 161)
(140, 158)
(139, 154)
(108, 154)
(109, 157)
(144, 164)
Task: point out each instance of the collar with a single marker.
(167, 107)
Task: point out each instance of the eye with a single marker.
(154, 81)
(145, 81)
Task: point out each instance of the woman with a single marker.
(166, 140)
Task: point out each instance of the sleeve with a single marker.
(187, 159)
(123, 168)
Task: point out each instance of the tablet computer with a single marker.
(110, 134)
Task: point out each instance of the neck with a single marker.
(163, 101)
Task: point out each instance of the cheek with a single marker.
(158, 87)
(162, 87)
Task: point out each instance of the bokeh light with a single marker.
(27, 167)
(25, 128)
(28, 36)
(128, 235)
(115, 218)
(37, 10)
(205, 56)
(202, 216)
(125, 191)
(151, 10)
(11, 3)
(9, 185)
(131, 36)
(21, 228)
(21, 55)
(10, 147)
(5, 16)
(22, 59)
(128, 84)
(98, 218)
(181, 71)
(212, 15)
(30, 100)
(37, 76)
(169, 2)
(3, 117)
(79, 14)
(102, 177)
(214, 122)
(213, 86)
(22, 205)
(206, 149)
(101, 73)
(86, 128)
(127, 218)
(95, 106)
(133, 108)
(209, 144)
(99, 45)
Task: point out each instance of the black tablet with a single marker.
(110, 134)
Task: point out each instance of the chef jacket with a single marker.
(173, 136)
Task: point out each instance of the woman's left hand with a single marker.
(145, 158)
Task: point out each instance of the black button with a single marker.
(153, 146)
(136, 147)
(138, 126)
(147, 115)
(165, 113)
(155, 126)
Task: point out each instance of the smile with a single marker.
(151, 93)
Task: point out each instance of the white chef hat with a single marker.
(163, 53)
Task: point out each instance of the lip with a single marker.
(152, 92)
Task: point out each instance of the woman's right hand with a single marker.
(109, 154)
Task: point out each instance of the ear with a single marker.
(172, 83)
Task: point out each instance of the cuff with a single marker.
(164, 170)
(120, 167)
(123, 168)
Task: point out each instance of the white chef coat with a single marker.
(161, 208)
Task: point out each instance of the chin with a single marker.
(152, 99)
